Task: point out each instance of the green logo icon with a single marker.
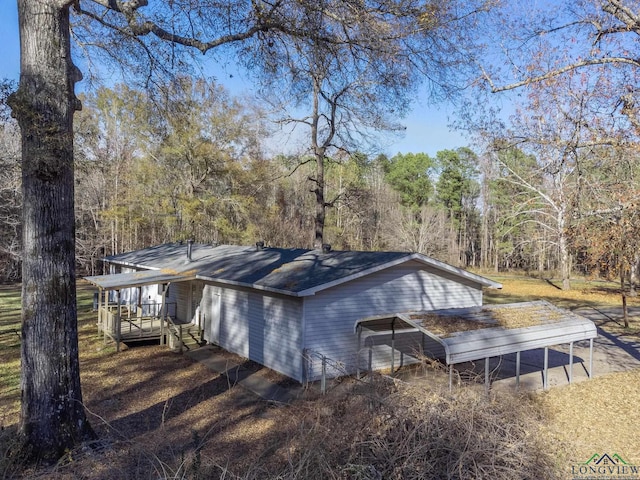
(605, 459)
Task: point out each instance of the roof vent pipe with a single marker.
(259, 245)
(326, 248)
(189, 249)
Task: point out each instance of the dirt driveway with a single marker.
(614, 350)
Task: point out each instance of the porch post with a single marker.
(591, 358)
(359, 329)
(106, 318)
(99, 309)
(393, 341)
(118, 320)
(163, 313)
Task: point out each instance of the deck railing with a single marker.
(133, 324)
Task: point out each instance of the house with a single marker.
(292, 310)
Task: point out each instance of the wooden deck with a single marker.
(143, 328)
(136, 328)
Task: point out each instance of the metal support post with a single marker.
(486, 375)
(570, 363)
(591, 358)
(545, 375)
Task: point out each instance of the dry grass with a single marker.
(597, 416)
(525, 317)
(584, 292)
(373, 430)
(159, 415)
(588, 417)
(392, 430)
(9, 352)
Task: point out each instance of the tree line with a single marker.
(554, 186)
(193, 163)
(343, 63)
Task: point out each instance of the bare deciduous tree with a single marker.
(10, 195)
(349, 87)
(152, 38)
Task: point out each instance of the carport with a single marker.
(480, 333)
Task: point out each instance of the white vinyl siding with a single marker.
(376, 351)
(187, 296)
(256, 325)
(234, 321)
(210, 313)
(150, 300)
(275, 338)
(268, 328)
(149, 297)
(180, 292)
(196, 299)
(330, 315)
(128, 296)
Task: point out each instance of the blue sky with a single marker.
(9, 42)
(426, 132)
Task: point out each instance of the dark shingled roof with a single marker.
(290, 271)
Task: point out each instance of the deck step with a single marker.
(191, 338)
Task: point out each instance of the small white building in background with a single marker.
(288, 308)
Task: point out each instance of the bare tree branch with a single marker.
(559, 71)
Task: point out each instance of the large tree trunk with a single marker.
(52, 416)
(633, 276)
(319, 152)
(625, 310)
(565, 257)
(320, 213)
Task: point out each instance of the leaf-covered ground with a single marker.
(583, 293)
(597, 416)
(160, 415)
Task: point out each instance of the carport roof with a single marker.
(469, 334)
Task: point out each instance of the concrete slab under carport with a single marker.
(496, 342)
(611, 354)
(503, 369)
